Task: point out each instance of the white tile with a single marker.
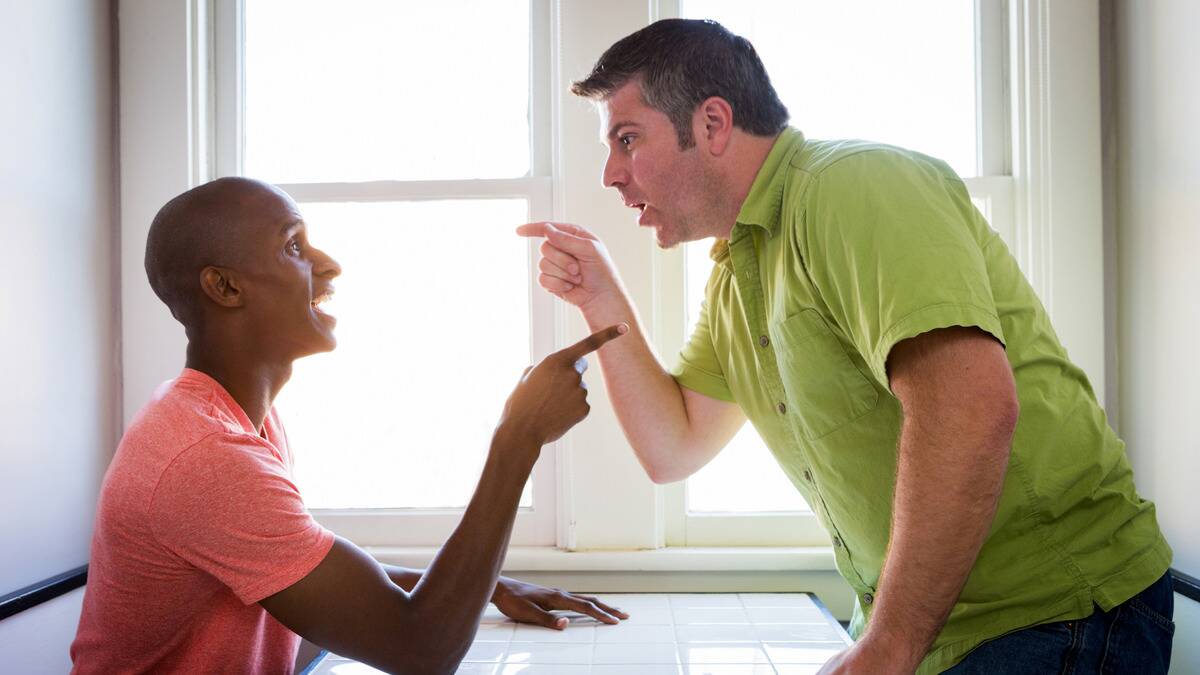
(531, 633)
(632, 633)
(477, 669)
(667, 634)
(701, 615)
(495, 632)
(635, 669)
(486, 652)
(635, 653)
(649, 617)
(776, 600)
(722, 652)
(630, 601)
(541, 653)
(796, 632)
(538, 669)
(802, 652)
(715, 633)
(690, 600)
(727, 669)
(786, 615)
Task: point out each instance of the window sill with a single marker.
(671, 559)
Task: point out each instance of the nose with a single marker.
(326, 266)
(615, 174)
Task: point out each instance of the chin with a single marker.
(666, 240)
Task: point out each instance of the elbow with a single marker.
(430, 645)
(659, 477)
(429, 656)
(660, 471)
(1001, 425)
(1007, 415)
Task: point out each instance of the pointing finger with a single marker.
(539, 229)
(593, 342)
(579, 247)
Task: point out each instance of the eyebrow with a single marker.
(616, 126)
(290, 226)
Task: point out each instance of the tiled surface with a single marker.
(666, 634)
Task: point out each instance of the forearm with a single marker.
(451, 594)
(648, 402)
(948, 484)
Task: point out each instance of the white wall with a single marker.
(1157, 160)
(58, 346)
(36, 640)
(1158, 241)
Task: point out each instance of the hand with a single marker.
(530, 603)
(867, 657)
(551, 397)
(575, 265)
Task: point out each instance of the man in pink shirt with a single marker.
(204, 558)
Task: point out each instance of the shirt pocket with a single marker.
(825, 389)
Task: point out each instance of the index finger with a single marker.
(538, 229)
(593, 342)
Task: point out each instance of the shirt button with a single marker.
(763, 340)
(781, 408)
(808, 475)
(837, 542)
(867, 598)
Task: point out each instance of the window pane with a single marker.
(744, 477)
(895, 72)
(433, 332)
(360, 90)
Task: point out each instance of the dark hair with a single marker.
(682, 62)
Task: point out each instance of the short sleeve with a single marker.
(698, 368)
(895, 250)
(227, 506)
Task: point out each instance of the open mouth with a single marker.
(321, 299)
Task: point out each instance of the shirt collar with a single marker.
(762, 203)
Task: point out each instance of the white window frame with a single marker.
(1050, 185)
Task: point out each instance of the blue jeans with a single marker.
(1133, 637)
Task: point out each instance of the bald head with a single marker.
(208, 225)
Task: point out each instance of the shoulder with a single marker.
(853, 163)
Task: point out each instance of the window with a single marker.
(922, 75)
(417, 196)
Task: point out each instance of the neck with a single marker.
(252, 382)
(749, 152)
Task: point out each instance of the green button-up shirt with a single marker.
(843, 249)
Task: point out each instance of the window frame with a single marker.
(167, 67)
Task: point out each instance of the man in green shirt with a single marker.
(882, 340)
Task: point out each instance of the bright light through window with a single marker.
(744, 477)
(361, 90)
(433, 333)
(881, 70)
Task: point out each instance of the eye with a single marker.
(625, 140)
(293, 247)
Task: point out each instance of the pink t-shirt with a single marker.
(198, 520)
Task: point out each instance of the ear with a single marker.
(222, 286)
(712, 124)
